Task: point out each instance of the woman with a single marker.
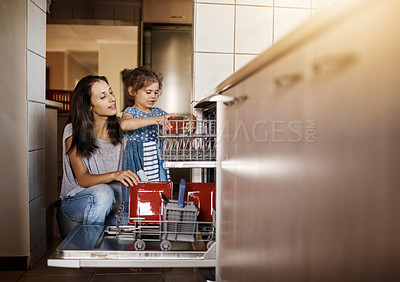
(93, 147)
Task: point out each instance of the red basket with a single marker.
(145, 202)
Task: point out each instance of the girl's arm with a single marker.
(128, 122)
(86, 179)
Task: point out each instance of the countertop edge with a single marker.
(53, 104)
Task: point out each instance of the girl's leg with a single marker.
(90, 206)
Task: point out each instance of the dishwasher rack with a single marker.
(188, 140)
(140, 240)
(175, 224)
(153, 215)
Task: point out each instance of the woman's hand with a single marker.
(126, 177)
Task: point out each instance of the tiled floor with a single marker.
(42, 273)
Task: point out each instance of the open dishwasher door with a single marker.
(161, 232)
(158, 234)
(99, 246)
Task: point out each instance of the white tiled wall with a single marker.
(211, 68)
(216, 1)
(230, 33)
(285, 20)
(214, 33)
(36, 67)
(250, 38)
(241, 60)
(293, 3)
(255, 2)
(36, 76)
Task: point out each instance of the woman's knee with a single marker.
(103, 194)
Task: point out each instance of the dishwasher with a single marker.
(158, 231)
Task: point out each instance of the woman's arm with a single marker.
(128, 122)
(86, 179)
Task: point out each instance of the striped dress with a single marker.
(141, 151)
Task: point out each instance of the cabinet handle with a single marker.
(235, 100)
(333, 63)
(288, 80)
(178, 17)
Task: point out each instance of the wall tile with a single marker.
(253, 29)
(314, 12)
(37, 174)
(324, 3)
(286, 19)
(31, 75)
(36, 122)
(217, 1)
(32, 224)
(36, 29)
(40, 32)
(37, 226)
(255, 2)
(242, 60)
(36, 77)
(40, 208)
(32, 172)
(31, 26)
(40, 173)
(31, 125)
(209, 70)
(293, 3)
(40, 79)
(38, 251)
(40, 121)
(214, 28)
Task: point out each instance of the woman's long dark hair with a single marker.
(81, 117)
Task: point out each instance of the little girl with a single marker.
(140, 123)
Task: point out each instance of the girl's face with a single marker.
(102, 100)
(146, 97)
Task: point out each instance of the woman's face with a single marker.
(102, 100)
(146, 97)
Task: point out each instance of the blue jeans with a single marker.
(91, 206)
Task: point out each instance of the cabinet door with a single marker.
(355, 188)
(318, 200)
(168, 11)
(268, 216)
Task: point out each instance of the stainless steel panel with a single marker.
(171, 54)
(309, 168)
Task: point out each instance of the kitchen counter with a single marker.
(307, 178)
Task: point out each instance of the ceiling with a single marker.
(82, 42)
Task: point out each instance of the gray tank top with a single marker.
(106, 158)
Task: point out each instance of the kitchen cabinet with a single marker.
(168, 11)
(52, 192)
(309, 187)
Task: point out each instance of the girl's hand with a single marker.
(166, 124)
(190, 124)
(126, 177)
